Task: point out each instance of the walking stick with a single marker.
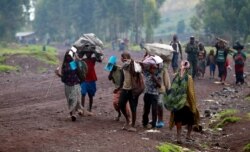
(50, 87)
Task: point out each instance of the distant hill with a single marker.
(172, 12)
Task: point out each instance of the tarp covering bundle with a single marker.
(89, 41)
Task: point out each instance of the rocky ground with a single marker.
(34, 118)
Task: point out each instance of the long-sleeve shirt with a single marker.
(69, 76)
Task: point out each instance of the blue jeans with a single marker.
(175, 60)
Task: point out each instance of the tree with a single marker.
(224, 16)
(12, 16)
(106, 18)
(181, 27)
(196, 23)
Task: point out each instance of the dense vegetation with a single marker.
(13, 14)
(64, 19)
(224, 17)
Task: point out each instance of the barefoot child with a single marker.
(115, 77)
(89, 85)
(211, 63)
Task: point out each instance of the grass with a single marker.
(225, 117)
(247, 148)
(7, 68)
(227, 120)
(168, 147)
(36, 51)
(226, 113)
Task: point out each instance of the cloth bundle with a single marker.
(162, 50)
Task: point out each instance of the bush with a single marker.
(168, 147)
(247, 148)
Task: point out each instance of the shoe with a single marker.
(159, 124)
(73, 118)
(132, 129)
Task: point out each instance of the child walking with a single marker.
(89, 85)
(151, 96)
(165, 85)
(115, 76)
(239, 60)
(211, 63)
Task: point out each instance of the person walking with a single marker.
(211, 63)
(177, 50)
(181, 101)
(165, 85)
(221, 58)
(70, 78)
(153, 80)
(201, 61)
(126, 94)
(239, 60)
(89, 85)
(192, 52)
(115, 73)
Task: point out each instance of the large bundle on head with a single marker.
(89, 41)
(163, 50)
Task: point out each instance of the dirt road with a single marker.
(30, 121)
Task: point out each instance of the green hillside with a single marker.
(172, 12)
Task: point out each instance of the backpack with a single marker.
(176, 97)
(239, 59)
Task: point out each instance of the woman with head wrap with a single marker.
(186, 113)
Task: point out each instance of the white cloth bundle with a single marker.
(163, 50)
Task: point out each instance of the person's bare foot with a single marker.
(132, 129)
(125, 126)
(87, 113)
